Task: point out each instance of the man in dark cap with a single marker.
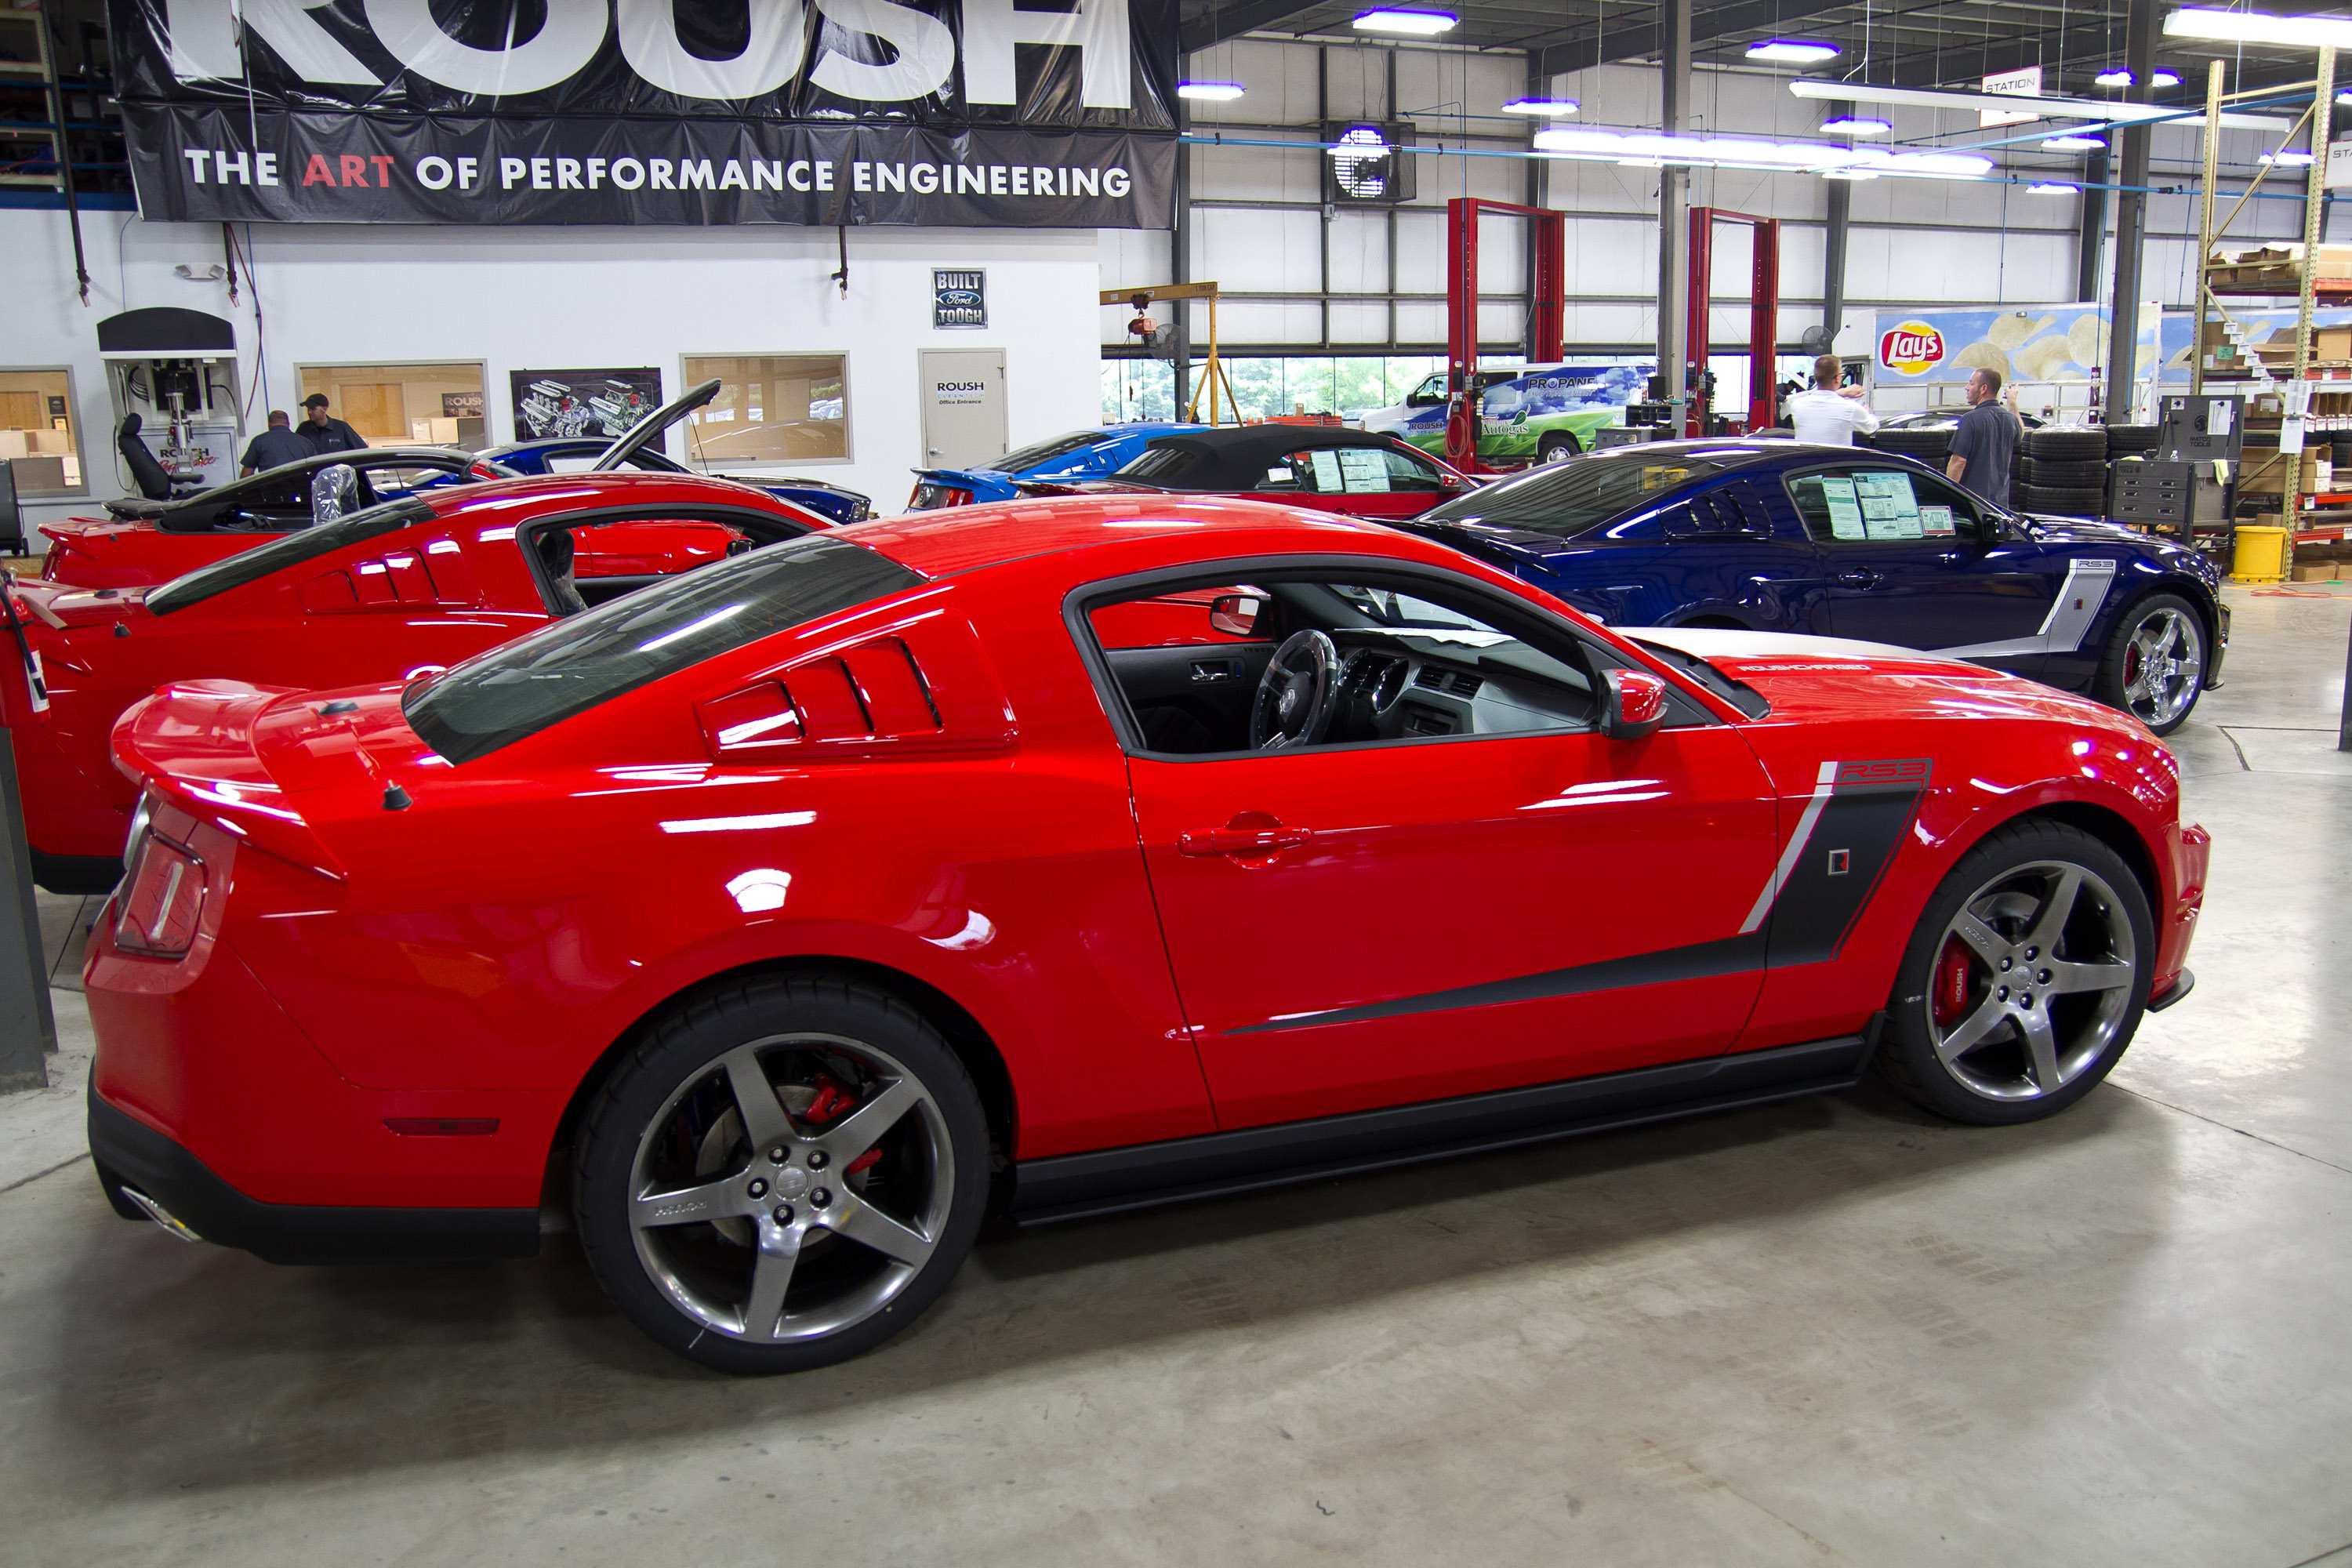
(274, 447)
(325, 434)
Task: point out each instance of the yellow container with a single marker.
(2260, 554)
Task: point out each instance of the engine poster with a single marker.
(598, 403)
(946, 112)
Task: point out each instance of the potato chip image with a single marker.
(2088, 340)
(2180, 355)
(1982, 356)
(2045, 356)
(2007, 331)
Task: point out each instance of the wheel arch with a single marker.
(2107, 825)
(2181, 584)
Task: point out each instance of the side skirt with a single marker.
(1109, 1181)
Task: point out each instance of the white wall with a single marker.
(546, 298)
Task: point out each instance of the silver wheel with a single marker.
(2032, 980)
(2164, 660)
(791, 1190)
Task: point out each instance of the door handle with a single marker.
(1250, 840)
(1859, 577)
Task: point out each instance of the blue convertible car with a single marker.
(1079, 454)
(565, 455)
(1771, 535)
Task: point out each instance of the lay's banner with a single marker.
(2028, 345)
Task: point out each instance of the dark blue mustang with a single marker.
(1771, 535)
(563, 455)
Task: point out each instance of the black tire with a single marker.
(1558, 447)
(1928, 446)
(2167, 698)
(2064, 445)
(659, 1126)
(2049, 474)
(2059, 503)
(2128, 438)
(1995, 1078)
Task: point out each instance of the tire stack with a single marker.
(1930, 447)
(2061, 471)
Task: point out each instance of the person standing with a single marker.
(324, 433)
(274, 447)
(1985, 441)
(1830, 414)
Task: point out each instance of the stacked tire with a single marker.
(2131, 440)
(1929, 446)
(2062, 471)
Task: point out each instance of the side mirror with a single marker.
(334, 492)
(1423, 400)
(1633, 705)
(1235, 614)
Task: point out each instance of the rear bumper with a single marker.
(129, 1153)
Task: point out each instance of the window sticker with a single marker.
(1363, 469)
(1889, 509)
(1935, 521)
(1845, 510)
(1658, 479)
(1327, 471)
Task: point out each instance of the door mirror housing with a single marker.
(1236, 615)
(1634, 704)
(334, 492)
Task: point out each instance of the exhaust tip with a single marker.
(159, 1214)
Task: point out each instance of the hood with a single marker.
(648, 429)
(2081, 531)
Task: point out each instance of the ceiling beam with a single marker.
(1599, 46)
(1233, 21)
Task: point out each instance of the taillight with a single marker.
(929, 497)
(159, 907)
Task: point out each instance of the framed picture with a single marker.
(564, 403)
(959, 296)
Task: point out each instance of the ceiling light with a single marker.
(2052, 188)
(1793, 51)
(2097, 112)
(1209, 91)
(2120, 78)
(1848, 175)
(2074, 144)
(1554, 106)
(2288, 160)
(1650, 149)
(1422, 23)
(1848, 125)
(2252, 27)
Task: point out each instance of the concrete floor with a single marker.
(1826, 1331)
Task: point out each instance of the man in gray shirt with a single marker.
(1986, 440)
(274, 447)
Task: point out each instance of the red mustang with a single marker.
(1320, 467)
(407, 586)
(806, 904)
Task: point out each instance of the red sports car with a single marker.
(803, 907)
(1323, 468)
(408, 585)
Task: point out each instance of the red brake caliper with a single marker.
(832, 1102)
(1951, 983)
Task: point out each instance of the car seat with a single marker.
(555, 553)
(145, 471)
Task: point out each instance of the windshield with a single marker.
(252, 565)
(1030, 457)
(1568, 500)
(570, 666)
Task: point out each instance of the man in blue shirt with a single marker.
(1985, 441)
(324, 433)
(274, 447)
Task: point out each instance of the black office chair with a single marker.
(12, 518)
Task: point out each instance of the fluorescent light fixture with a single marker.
(1425, 24)
(2254, 28)
(1209, 91)
(2074, 144)
(2121, 78)
(2288, 160)
(1848, 175)
(1552, 105)
(2052, 188)
(1793, 51)
(1850, 126)
(2095, 111)
(1648, 149)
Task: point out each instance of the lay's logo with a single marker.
(1911, 349)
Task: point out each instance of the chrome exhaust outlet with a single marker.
(159, 1214)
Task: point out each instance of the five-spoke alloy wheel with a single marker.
(784, 1182)
(2155, 662)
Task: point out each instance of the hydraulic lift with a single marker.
(1547, 301)
(1763, 317)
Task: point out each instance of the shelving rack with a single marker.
(2313, 397)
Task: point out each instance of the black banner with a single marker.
(947, 112)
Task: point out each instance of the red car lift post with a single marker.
(1547, 301)
(1763, 314)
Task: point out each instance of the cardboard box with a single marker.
(2319, 572)
(2331, 343)
(2262, 471)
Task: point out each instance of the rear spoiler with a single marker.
(215, 774)
(24, 692)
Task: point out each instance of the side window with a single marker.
(281, 502)
(1349, 470)
(1407, 472)
(1320, 662)
(1861, 505)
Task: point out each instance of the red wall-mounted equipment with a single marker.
(1763, 315)
(1547, 301)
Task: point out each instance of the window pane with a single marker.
(770, 408)
(37, 433)
(398, 404)
(1567, 499)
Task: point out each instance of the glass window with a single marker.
(1567, 499)
(252, 565)
(770, 408)
(1863, 505)
(37, 434)
(1022, 458)
(400, 405)
(572, 665)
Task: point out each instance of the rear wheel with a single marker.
(1558, 446)
(2025, 979)
(2155, 663)
(781, 1176)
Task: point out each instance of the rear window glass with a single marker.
(1566, 500)
(252, 565)
(1168, 466)
(1023, 458)
(571, 664)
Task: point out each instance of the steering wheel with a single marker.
(1297, 694)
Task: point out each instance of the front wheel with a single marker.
(2025, 979)
(781, 1176)
(2155, 662)
(1557, 447)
